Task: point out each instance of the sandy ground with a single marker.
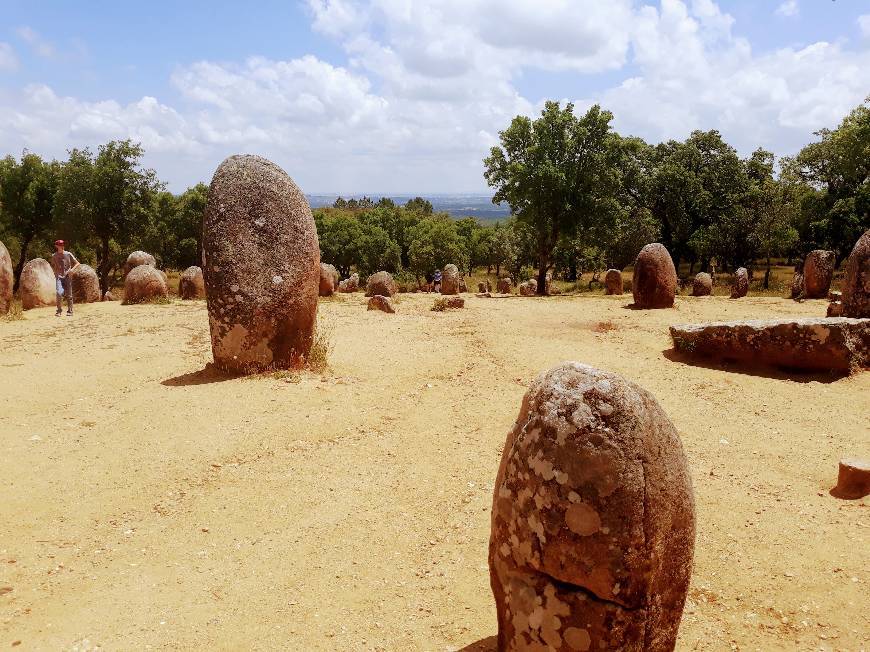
(147, 503)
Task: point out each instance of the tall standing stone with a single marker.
(856, 284)
(702, 285)
(818, 273)
(593, 521)
(37, 286)
(740, 283)
(85, 284)
(7, 280)
(654, 283)
(261, 266)
(613, 282)
(450, 280)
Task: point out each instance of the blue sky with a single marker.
(402, 96)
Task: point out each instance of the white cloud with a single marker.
(788, 8)
(39, 45)
(8, 60)
(427, 87)
(864, 25)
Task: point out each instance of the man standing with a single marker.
(63, 262)
(436, 281)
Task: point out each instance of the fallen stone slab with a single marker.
(835, 344)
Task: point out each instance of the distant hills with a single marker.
(479, 206)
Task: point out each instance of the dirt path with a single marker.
(149, 504)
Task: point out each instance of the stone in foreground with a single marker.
(382, 303)
(838, 345)
(654, 283)
(144, 284)
(261, 267)
(856, 282)
(853, 480)
(613, 282)
(191, 284)
(85, 284)
(7, 280)
(37, 286)
(593, 519)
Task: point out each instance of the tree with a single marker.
(340, 236)
(419, 205)
(106, 198)
(27, 191)
(435, 243)
(837, 169)
(555, 173)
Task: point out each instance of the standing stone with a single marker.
(702, 286)
(740, 284)
(329, 278)
(488, 286)
(138, 258)
(143, 284)
(654, 283)
(7, 280)
(261, 267)
(505, 285)
(381, 283)
(462, 286)
(593, 523)
(85, 284)
(613, 282)
(853, 479)
(481, 287)
(37, 286)
(191, 283)
(797, 286)
(108, 296)
(450, 280)
(856, 283)
(818, 273)
(349, 284)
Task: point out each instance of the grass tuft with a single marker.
(16, 312)
(440, 305)
(322, 347)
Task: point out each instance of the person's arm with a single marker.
(75, 262)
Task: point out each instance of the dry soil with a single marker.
(146, 502)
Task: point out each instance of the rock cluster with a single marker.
(702, 286)
(7, 280)
(350, 284)
(654, 283)
(856, 281)
(505, 285)
(382, 303)
(138, 258)
(261, 266)
(818, 273)
(329, 278)
(593, 525)
(381, 283)
(740, 283)
(529, 288)
(85, 284)
(37, 285)
(613, 282)
(837, 345)
(143, 284)
(191, 284)
(450, 280)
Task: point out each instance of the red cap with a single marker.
(58, 242)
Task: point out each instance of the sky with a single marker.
(407, 96)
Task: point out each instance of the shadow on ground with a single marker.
(487, 644)
(209, 374)
(794, 375)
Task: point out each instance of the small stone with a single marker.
(613, 282)
(144, 283)
(702, 286)
(191, 284)
(382, 303)
(381, 283)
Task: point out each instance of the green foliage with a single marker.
(435, 242)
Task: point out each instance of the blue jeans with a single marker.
(64, 287)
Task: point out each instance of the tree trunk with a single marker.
(21, 260)
(104, 267)
(572, 271)
(498, 271)
(767, 275)
(544, 265)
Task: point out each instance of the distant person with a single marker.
(436, 281)
(63, 262)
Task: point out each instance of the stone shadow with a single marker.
(748, 369)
